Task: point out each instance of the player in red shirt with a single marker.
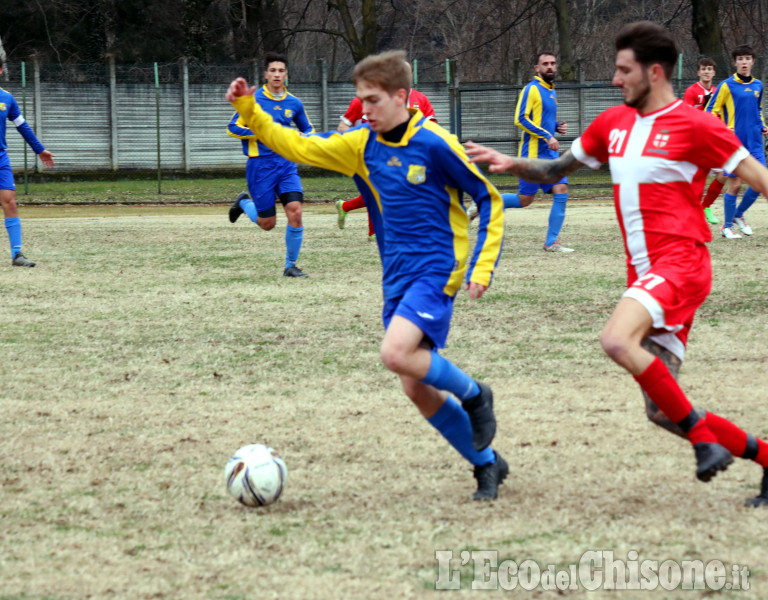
(698, 95)
(354, 116)
(660, 151)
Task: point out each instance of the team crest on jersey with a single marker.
(394, 162)
(3, 106)
(661, 139)
(417, 174)
(288, 113)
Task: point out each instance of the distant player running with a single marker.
(698, 95)
(412, 173)
(353, 117)
(269, 174)
(660, 151)
(9, 111)
(738, 102)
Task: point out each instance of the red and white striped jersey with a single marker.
(659, 164)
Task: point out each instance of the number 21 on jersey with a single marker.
(616, 141)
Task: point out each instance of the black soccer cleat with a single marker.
(294, 271)
(480, 411)
(710, 458)
(235, 211)
(22, 261)
(489, 478)
(762, 498)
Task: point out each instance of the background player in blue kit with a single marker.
(536, 115)
(412, 174)
(269, 174)
(738, 102)
(9, 111)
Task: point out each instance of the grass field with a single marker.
(150, 343)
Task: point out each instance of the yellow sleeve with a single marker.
(337, 152)
(723, 100)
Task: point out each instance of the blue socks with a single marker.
(511, 201)
(13, 227)
(444, 375)
(729, 206)
(249, 208)
(556, 218)
(452, 421)
(747, 200)
(293, 238)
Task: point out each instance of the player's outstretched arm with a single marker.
(47, 158)
(535, 170)
(755, 174)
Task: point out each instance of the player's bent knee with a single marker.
(525, 201)
(267, 224)
(614, 346)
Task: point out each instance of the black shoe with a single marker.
(294, 271)
(22, 261)
(235, 211)
(762, 498)
(710, 458)
(480, 411)
(489, 478)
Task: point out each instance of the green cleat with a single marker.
(710, 216)
(342, 213)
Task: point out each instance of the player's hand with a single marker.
(553, 144)
(239, 87)
(765, 131)
(476, 290)
(47, 158)
(498, 162)
(562, 128)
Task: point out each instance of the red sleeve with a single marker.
(690, 97)
(355, 111)
(594, 140)
(714, 143)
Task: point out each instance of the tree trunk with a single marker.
(566, 69)
(705, 27)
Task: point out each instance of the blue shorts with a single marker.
(427, 307)
(529, 189)
(268, 177)
(6, 175)
(759, 157)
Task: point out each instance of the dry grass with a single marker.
(143, 350)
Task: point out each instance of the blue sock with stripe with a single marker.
(293, 239)
(13, 227)
(444, 375)
(511, 201)
(747, 200)
(556, 218)
(729, 209)
(452, 421)
(249, 208)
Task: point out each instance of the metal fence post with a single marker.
(157, 112)
(579, 68)
(185, 110)
(452, 78)
(114, 154)
(323, 68)
(38, 104)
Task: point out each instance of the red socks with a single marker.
(712, 193)
(353, 204)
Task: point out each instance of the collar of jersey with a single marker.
(270, 95)
(413, 126)
(544, 83)
(674, 104)
(737, 78)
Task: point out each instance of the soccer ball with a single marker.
(256, 475)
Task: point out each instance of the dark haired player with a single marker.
(268, 174)
(660, 151)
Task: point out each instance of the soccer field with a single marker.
(150, 343)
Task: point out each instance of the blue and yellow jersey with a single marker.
(413, 191)
(536, 115)
(738, 104)
(285, 109)
(9, 111)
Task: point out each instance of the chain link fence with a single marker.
(171, 119)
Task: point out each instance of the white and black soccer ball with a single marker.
(256, 475)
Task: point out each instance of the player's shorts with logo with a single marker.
(6, 174)
(674, 288)
(425, 305)
(268, 177)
